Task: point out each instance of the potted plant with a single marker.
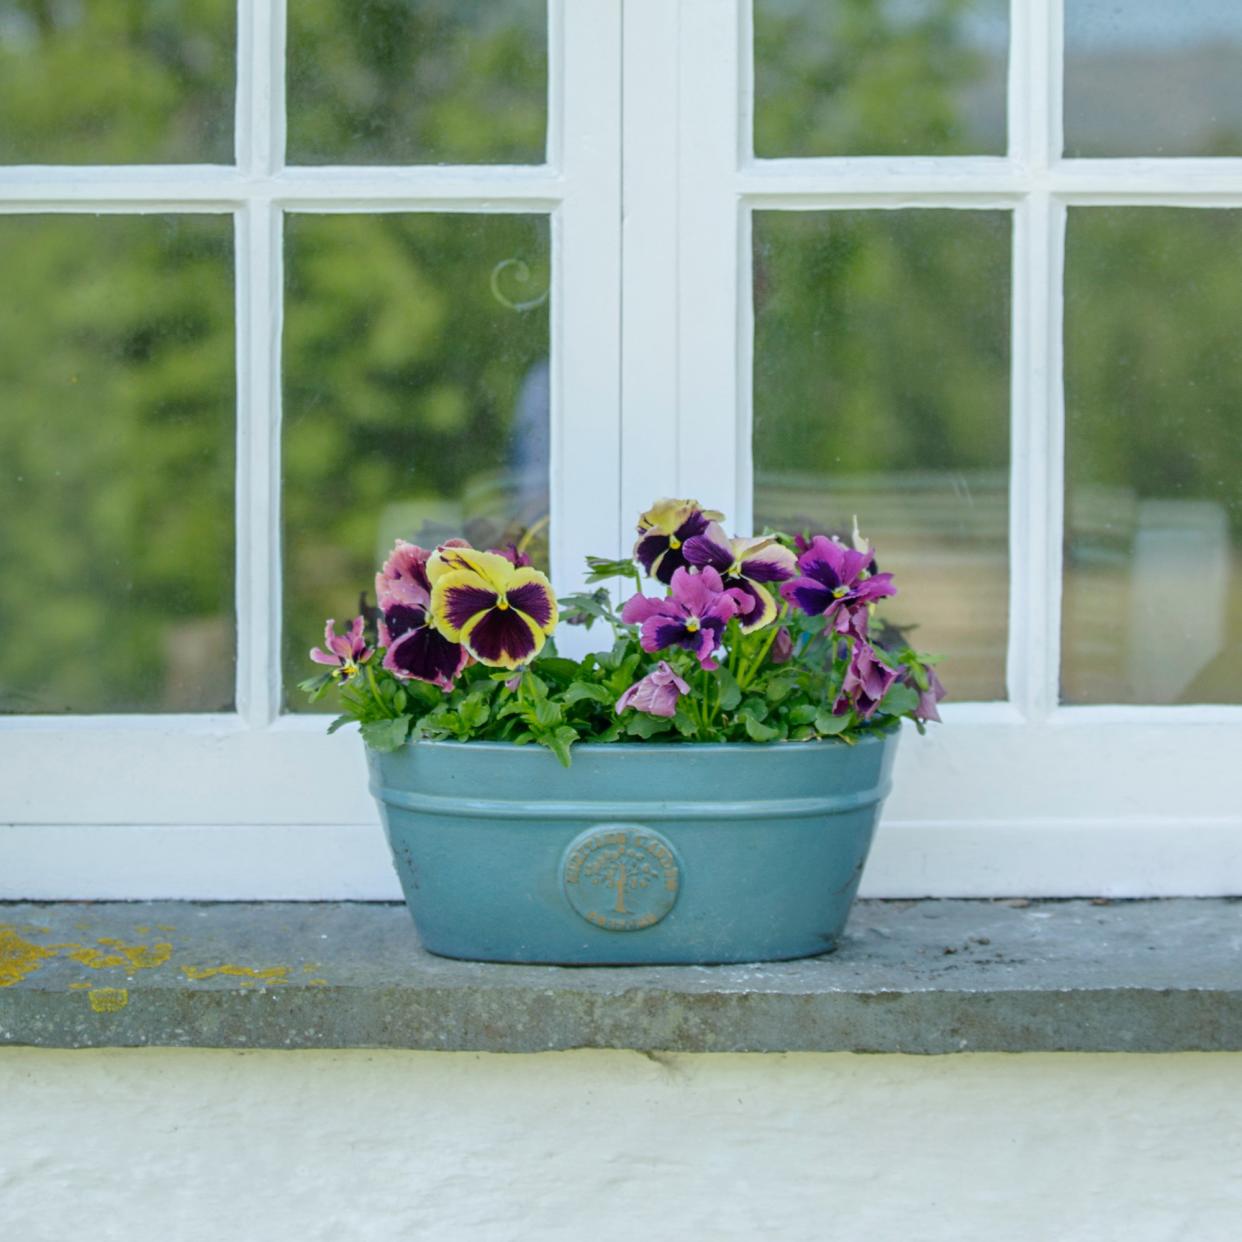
(703, 788)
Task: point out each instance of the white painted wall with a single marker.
(178, 1146)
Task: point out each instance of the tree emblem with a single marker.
(621, 877)
(622, 868)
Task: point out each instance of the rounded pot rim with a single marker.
(599, 748)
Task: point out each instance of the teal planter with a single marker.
(637, 853)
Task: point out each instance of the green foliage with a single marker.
(555, 701)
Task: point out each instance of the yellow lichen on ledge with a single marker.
(271, 974)
(19, 957)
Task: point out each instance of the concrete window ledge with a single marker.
(911, 976)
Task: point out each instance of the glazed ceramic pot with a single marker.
(637, 854)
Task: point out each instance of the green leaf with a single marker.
(386, 735)
(828, 725)
(559, 669)
(590, 608)
(473, 713)
(779, 688)
(684, 723)
(730, 691)
(601, 567)
(759, 732)
(547, 715)
(311, 684)
(559, 741)
(580, 690)
(339, 723)
(755, 708)
(803, 714)
(900, 700)
(639, 724)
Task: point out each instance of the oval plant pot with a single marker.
(637, 854)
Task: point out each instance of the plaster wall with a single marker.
(189, 1145)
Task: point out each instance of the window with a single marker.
(911, 259)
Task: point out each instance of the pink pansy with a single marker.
(345, 651)
(656, 694)
(867, 681)
(693, 616)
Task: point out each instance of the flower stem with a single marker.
(375, 694)
(752, 668)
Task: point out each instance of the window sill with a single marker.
(916, 977)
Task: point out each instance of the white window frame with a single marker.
(650, 183)
(255, 803)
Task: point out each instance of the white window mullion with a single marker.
(259, 265)
(1037, 437)
(650, 297)
(584, 67)
(713, 385)
(260, 153)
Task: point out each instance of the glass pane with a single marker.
(116, 463)
(880, 77)
(882, 390)
(1153, 77)
(117, 82)
(416, 388)
(1153, 540)
(418, 81)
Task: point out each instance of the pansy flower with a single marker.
(415, 649)
(926, 708)
(867, 681)
(837, 585)
(500, 612)
(693, 616)
(514, 555)
(662, 532)
(345, 652)
(746, 565)
(656, 694)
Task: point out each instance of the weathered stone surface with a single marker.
(924, 977)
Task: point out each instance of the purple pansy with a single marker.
(837, 585)
(656, 694)
(867, 681)
(693, 616)
(926, 707)
(416, 649)
(745, 565)
(344, 651)
(662, 532)
(782, 649)
(514, 555)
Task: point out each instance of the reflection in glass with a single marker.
(880, 77)
(1153, 438)
(116, 82)
(116, 464)
(881, 388)
(1153, 77)
(417, 81)
(416, 385)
